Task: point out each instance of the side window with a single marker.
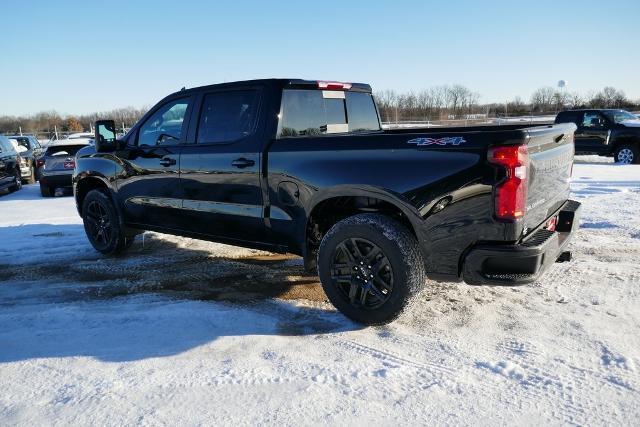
(227, 116)
(592, 120)
(303, 113)
(164, 127)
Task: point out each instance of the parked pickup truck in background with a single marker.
(605, 132)
(304, 167)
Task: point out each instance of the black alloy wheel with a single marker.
(99, 227)
(102, 224)
(362, 272)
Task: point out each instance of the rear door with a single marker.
(592, 135)
(220, 166)
(149, 186)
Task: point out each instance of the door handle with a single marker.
(243, 163)
(167, 161)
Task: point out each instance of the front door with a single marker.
(5, 161)
(149, 184)
(220, 167)
(592, 135)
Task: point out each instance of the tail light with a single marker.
(511, 193)
(40, 163)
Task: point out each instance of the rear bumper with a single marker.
(57, 180)
(525, 262)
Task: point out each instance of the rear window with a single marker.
(317, 112)
(60, 150)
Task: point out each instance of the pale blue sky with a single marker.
(82, 56)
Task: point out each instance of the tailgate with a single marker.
(551, 152)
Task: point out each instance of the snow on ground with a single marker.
(182, 332)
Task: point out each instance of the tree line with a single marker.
(457, 102)
(47, 122)
(446, 102)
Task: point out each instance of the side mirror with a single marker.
(105, 136)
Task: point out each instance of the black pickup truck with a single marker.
(605, 132)
(305, 167)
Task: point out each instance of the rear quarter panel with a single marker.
(388, 167)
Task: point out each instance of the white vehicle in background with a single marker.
(81, 135)
(78, 136)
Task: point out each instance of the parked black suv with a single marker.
(305, 167)
(605, 132)
(10, 177)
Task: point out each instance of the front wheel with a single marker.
(102, 224)
(627, 154)
(17, 185)
(370, 266)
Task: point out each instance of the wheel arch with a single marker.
(84, 183)
(333, 205)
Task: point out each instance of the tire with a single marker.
(627, 154)
(102, 224)
(31, 179)
(46, 191)
(373, 284)
(17, 185)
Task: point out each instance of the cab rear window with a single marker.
(318, 112)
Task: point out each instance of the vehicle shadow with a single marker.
(167, 296)
(32, 192)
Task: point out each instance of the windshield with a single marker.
(620, 116)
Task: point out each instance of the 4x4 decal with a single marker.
(448, 140)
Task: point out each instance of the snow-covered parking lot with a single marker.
(183, 332)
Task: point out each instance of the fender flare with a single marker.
(390, 197)
(95, 175)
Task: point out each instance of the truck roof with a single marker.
(283, 83)
(578, 110)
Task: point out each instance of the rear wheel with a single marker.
(46, 191)
(627, 154)
(370, 266)
(17, 185)
(102, 224)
